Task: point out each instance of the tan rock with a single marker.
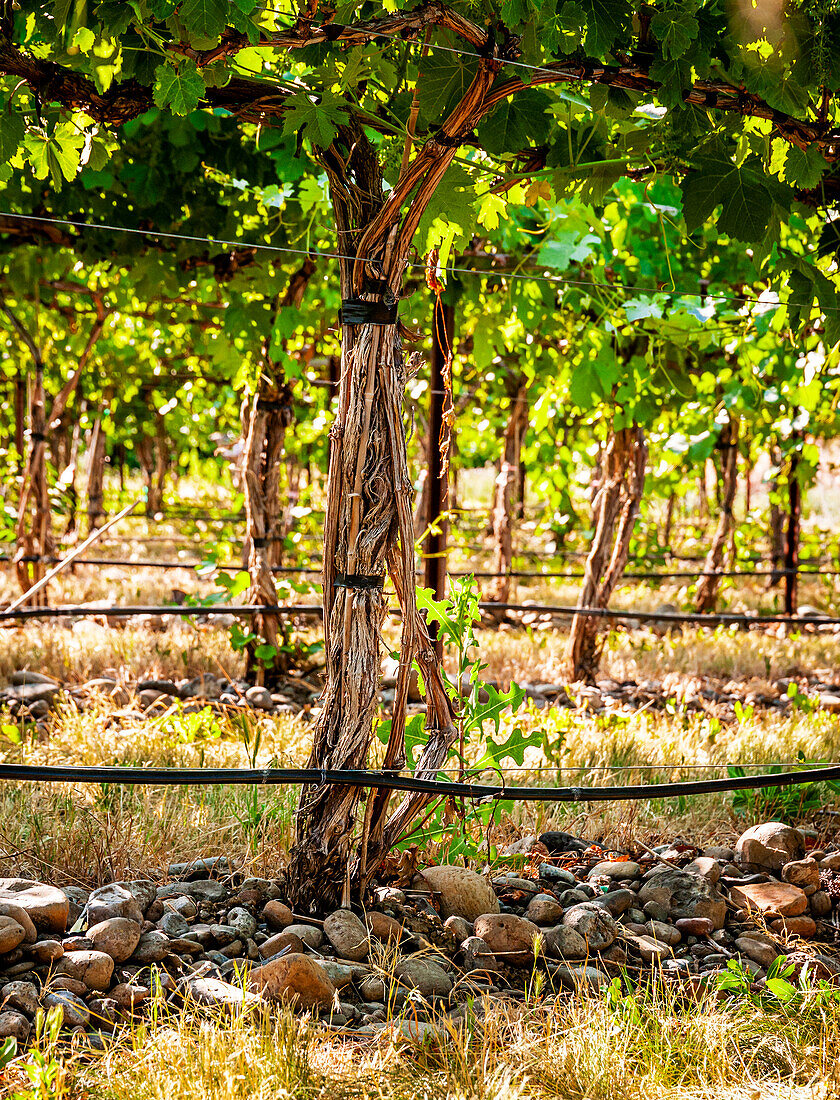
(277, 915)
(18, 913)
(463, 893)
(117, 937)
(279, 942)
(770, 846)
(11, 934)
(803, 926)
(47, 906)
(509, 937)
(804, 873)
(94, 968)
(347, 934)
(294, 979)
(760, 950)
(774, 899)
(385, 928)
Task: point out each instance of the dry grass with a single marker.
(577, 1047)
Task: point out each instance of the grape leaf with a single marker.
(178, 89)
(204, 19)
(515, 122)
(606, 20)
(320, 120)
(675, 31)
(741, 191)
(805, 167)
(443, 81)
(12, 130)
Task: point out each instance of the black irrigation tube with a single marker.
(190, 610)
(176, 777)
(478, 573)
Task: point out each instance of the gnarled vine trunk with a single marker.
(368, 528)
(708, 586)
(154, 458)
(615, 506)
(265, 419)
(96, 472)
(505, 496)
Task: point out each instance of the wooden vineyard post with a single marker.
(437, 525)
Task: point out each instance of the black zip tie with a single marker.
(261, 543)
(39, 437)
(357, 580)
(272, 406)
(354, 311)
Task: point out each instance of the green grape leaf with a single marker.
(606, 21)
(320, 120)
(12, 130)
(515, 122)
(675, 31)
(443, 81)
(514, 748)
(741, 191)
(178, 89)
(204, 20)
(492, 710)
(804, 168)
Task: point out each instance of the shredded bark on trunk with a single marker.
(504, 501)
(777, 521)
(708, 587)
(621, 480)
(154, 459)
(792, 535)
(96, 473)
(369, 527)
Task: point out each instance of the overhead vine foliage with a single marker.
(427, 121)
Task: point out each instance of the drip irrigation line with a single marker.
(295, 570)
(190, 610)
(484, 273)
(180, 777)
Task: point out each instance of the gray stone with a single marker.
(117, 937)
(213, 993)
(544, 909)
(562, 942)
(14, 1025)
(75, 1012)
(593, 923)
(551, 873)
(20, 996)
(664, 933)
(422, 974)
(244, 922)
(173, 924)
(575, 977)
(820, 904)
(804, 873)
(685, 895)
(650, 949)
(153, 947)
(78, 899)
(24, 676)
(761, 951)
(310, 935)
(706, 868)
(461, 929)
(477, 955)
(202, 890)
(347, 934)
(259, 698)
(615, 869)
(114, 900)
(340, 974)
(203, 867)
(373, 989)
(616, 902)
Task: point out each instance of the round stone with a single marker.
(463, 893)
(94, 968)
(117, 937)
(46, 906)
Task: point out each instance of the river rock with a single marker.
(20, 996)
(594, 924)
(277, 915)
(153, 947)
(804, 873)
(509, 937)
(477, 955)
(11, 934)
(769, 847)
(310, 935)
(94, 968)
(117, 937)
(820, 904)
(76, 1012)
(420, 973)
(213, 993)
(775, 899)
(282, 941)
(544, 909)
(46, 906)
(706, 867)
(18, 913)
(576, 977)
(347, 934)
(113, 900)
(803, 926)
(389, 930)
(463, 893)
(761, 950)
(562, 942)
(14, 1025)
(685, 895)
(616, 869)
(294, 979)
(650, 949)
(46, 951)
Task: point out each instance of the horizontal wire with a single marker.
(148, 777)
(189, 610)
(555, 279)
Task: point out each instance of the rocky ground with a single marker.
(430, 945)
